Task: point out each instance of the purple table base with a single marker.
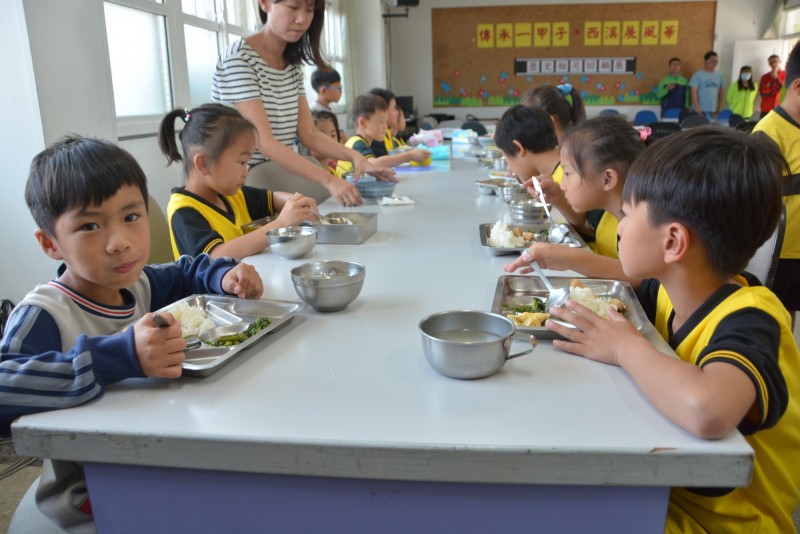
(148, 499)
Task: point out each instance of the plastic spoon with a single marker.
(539, 191)
(557, 297)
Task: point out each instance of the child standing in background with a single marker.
(206, 216)
(742, 94)
(697, 205)
(68, 340)
(327, 123)
(596, 156)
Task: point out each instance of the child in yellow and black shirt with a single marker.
(697, 205)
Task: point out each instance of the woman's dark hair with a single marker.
(366, 106)
(750, 85)
(78, 172)
(725, 185)
(322, 115)
(604, 142)
(530, 127)
(308, 49)
(565, 105)
(210, 129)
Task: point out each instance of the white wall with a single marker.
(411, 44)
(21, 137)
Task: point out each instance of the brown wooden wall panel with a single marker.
(477, 50)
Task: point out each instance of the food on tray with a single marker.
(529, 318)
(504, 236)
(534, 315)
(194, 321)
(256, 326)
(335, 220)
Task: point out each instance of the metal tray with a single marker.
(520, 290)
(223, 310)
(365, 224)
(572, 239)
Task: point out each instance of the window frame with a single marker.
(174, 19)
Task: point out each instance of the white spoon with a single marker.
(539, 191)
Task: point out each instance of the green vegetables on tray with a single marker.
(234, 339)
(537, 306)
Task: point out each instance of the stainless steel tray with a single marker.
(520, 291)
(572, 239)
(365, 224)
(223, 310)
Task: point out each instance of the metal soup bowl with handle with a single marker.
(469, 344)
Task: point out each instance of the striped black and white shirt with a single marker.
(242, 75)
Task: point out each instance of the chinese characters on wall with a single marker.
(593, 33)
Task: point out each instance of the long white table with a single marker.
(337, 423)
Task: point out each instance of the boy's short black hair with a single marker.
(723, 184)
(530, 127)
(78, 172)
(709, 55)
(322, 77)
(673, 59)
(366, 106)
(793, 65)
(385, 94)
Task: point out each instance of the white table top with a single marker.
(350, 394)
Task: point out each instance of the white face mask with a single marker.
(746, 76)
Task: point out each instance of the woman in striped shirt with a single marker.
(261, 75)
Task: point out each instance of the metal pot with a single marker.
(469, 344)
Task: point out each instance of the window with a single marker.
(185, 37)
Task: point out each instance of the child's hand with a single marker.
(548, 256)
(594, 337)
(552, 191)
(159, 349)
(243, 281)
(419, 154)
(296, 210)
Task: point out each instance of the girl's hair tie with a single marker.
(565, 88)
(187, 116)
(644, 132)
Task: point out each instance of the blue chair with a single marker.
(724, 116)
(644, 117)
(671, 113)
(609, 112)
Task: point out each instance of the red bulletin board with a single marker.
(614, 54)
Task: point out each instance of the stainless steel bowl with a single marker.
(328, 286)
(529, 209)
(512, 192)
(292, 242)
(469, 344)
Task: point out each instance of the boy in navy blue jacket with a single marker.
(64, 342)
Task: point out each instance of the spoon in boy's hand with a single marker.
(557, 297)
(537, 186)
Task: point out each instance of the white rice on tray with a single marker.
(194, 321)
(502, 236)
(585, 296)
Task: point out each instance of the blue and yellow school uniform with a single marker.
(749, 328)
(196, 226)
(360, 145)
(382, 147)
(606, 238)
(785, 131)
(558, 173)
